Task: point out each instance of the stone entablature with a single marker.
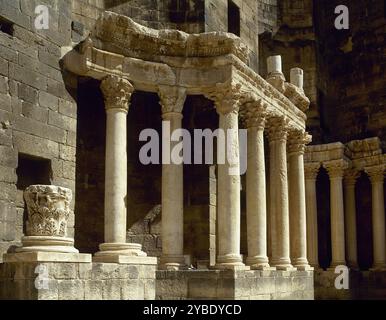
(198, 73)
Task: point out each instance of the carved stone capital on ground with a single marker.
(351, 176)
(297, 141)
(226, 97)
(336, 168)
(277, 128)
(376, 173)
(48, 213)
(311, 170)
(117, 93)
(172, 99)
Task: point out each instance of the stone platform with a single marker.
(74, 277)
(235, 285)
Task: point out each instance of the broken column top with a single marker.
(274, 65)
(296, 77)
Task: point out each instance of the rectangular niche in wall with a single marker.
(233, 18)
(32, 170)
(6, 26)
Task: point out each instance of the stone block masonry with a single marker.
(76, 280)
(37, 108)
(235, 284)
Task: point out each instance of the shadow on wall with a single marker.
(90, 167)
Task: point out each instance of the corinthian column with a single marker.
(376, 175)
(227, 105)
(311, 172)
(172, 101)
(117, 93)
(256, 189)
(298, 225)
(279, 194)
(336, 170)
(350, 178)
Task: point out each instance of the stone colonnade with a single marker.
(343, 213)
(287, 214)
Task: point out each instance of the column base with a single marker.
(301, 264)
(304, 267)
(47, 244)
(378, 267)
(283, 264)
(44, 256)
(113, 252)
(258, 263)
(230, 262)
(335, 264)
(172, 262)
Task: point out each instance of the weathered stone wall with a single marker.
(351, 68)
(367, 285)
(216, 19)
(78, 281)
(37, 110)
(288, 30)
(225, 285)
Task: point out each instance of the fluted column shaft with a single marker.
(378, 216)
(311, 172)
(172, 101)
(297, 201)
(350, 218)
(335, 170)
(279, 194)
(256, 188)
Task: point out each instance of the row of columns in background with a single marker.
(117, 93)
(343, 213)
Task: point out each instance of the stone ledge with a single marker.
(121, 259)
(46, 257)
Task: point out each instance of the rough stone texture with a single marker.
(364, 285)
(227, 285)
(31, 87)
(78, 281)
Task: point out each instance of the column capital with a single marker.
(335, 168)
(253, 113)
(311, 170)
(297, 141)
(351, 176)
(226, 97)
(277, 128)
(117, 93)
(376, 173)
(172, 99)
